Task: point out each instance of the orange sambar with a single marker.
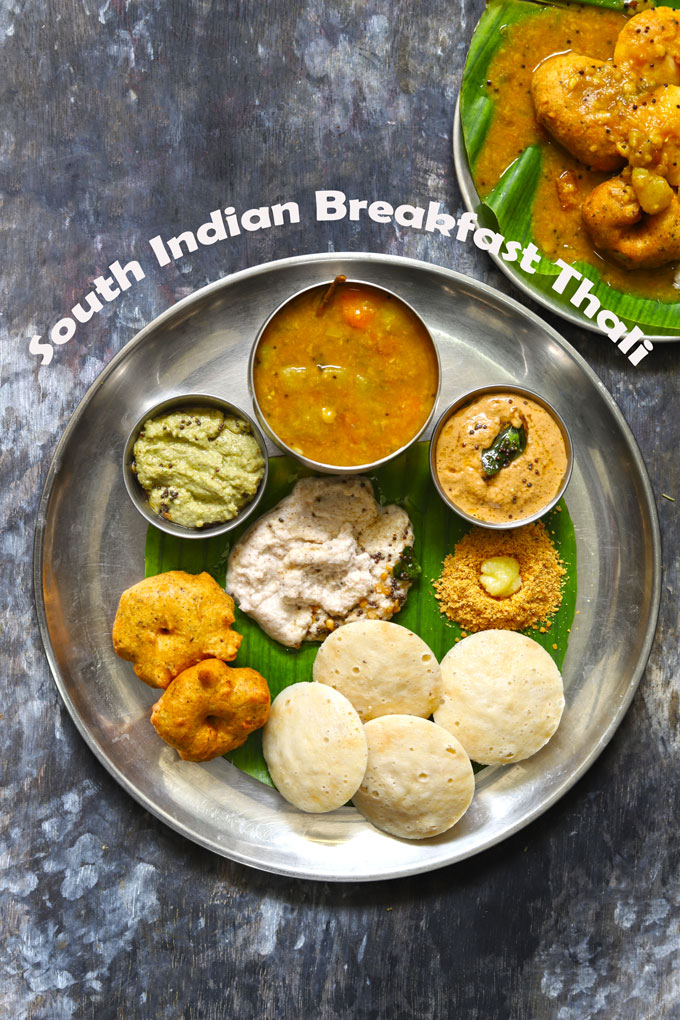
(347, 376)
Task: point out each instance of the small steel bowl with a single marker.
(468, 398)
(139, 496)
(337, 469)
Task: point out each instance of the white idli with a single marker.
(383, 668)
(418, 781)
(502, 696)
(314, 746)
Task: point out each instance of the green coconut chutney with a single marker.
(197, 465)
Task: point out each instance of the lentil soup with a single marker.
(347, 376)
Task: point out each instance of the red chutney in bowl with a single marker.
(345, 374)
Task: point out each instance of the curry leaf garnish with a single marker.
(507, 445)
(407, 565)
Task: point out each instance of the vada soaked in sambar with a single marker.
(622, 114)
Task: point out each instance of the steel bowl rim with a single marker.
(466, 398)
(136, 492)
(315, 465)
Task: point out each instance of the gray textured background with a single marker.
(122, 120)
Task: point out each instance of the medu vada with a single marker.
(211, 708)
(169, 622)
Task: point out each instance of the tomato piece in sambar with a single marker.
(348, 377)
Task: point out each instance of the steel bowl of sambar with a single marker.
(344, 376)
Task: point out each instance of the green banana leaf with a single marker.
(407, 482)
(507, 209)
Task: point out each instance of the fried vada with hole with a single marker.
(210, 709)
(169, 622)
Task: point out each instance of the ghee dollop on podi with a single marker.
(346, 377)
(500, 458)
(465, 599)
(197, 465)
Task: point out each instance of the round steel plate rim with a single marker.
(472, 203)
(447, 857)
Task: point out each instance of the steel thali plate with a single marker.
(89, 547)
